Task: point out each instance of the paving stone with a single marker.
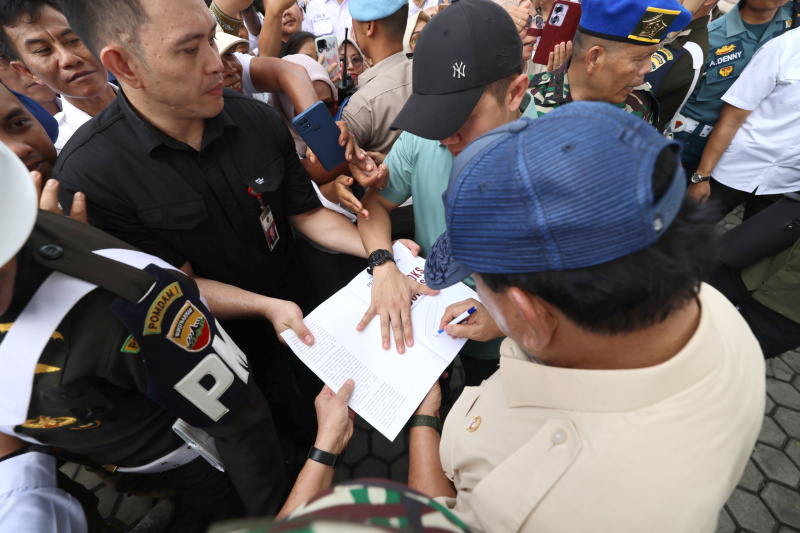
(132, 508)
(787, 529)
(725, 524)
(87, 479)
(792, 449)
(750, 512)
(771, 433)
(781, 370)
(108, 498)
(399, 469)
(342, 473)
(784, 503)
(371, 467)
(783, 393)
(363, 424)
(788, 420)
(776, 465)
(768, 405)
(70, 469)
(792, 359)
(752, 479)
(386, 450)
(357, 449)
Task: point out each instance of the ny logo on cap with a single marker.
(459, 70)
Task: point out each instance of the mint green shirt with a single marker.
(421, 168)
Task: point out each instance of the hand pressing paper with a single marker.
(389, 386)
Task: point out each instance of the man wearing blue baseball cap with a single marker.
(611, 55)
(630, 393)
(378, 27)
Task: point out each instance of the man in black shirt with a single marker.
(206, 179)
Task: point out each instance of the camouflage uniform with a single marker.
(366, 506)
(551, 91)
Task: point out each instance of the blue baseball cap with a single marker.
(644, 22)
(584, 199)
(366, 10)
(47, 121)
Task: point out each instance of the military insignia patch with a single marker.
(660, 58)
(153, 324)
(46, 422)
(726, 71)
(722, 50)
(130, 345)
(653, 25)
(190, 329)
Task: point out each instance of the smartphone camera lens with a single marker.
(554, 20)
(559, 9)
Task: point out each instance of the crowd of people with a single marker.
(162, 223)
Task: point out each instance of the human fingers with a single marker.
(78, 211)
(453, 310)
(49, 199)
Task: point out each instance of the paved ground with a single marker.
(766, 501)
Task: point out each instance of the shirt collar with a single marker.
(528, 384)
(388, 63)
(152, 137)
(74, 115)
(733, 22)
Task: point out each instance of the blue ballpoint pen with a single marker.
(460, 318)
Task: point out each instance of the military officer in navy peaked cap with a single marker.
(611, 55)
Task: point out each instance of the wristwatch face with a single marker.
(378, 257)
(696, 178)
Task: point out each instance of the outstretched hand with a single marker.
(284, 315)
(48, 198)
(334, 418)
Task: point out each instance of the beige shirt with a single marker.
(382, 93)
(657, 449)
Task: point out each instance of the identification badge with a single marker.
(269, 226)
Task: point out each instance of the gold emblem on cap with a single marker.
(650, 28)
(474, 425)
(654, 22)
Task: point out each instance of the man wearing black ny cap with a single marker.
(629, 394)
(611, 55)
(463, 86)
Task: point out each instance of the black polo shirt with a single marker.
(168, 199)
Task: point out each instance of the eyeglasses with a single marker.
(355, 61)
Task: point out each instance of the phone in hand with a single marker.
(328, 48)
(560, 27)
(319, 131)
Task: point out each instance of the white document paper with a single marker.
(388, 386)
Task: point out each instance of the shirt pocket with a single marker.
(505, 498)
(179, 215)
(791, 94)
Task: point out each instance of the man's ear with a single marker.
(516, 91)
(369, 28)
(122, 64)
(539, 317)
(20, 67)
(594, 60)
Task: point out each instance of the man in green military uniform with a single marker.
(611, 55)
(732, 40)
(678, 65)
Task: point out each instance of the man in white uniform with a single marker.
(754, 154)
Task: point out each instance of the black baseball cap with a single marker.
(460, 51)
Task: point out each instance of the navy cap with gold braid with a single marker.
(643, 22)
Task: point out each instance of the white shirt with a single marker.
(327, 17)
(30, 501)
(765, 153)
(560, 450)
(247, 82)
(412, 7)
(69, 120)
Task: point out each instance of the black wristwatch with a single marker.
(377, 258)
(328, 459)
(697, 178)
